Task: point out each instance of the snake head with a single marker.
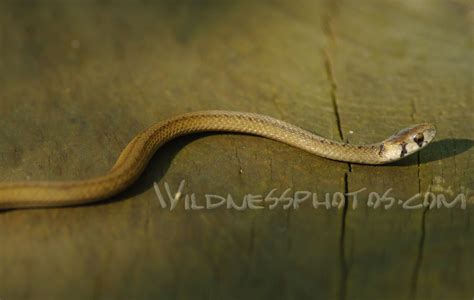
(408, 141)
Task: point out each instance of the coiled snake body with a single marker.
(136, 155)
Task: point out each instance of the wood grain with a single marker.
(78, 81)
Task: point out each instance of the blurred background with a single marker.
(78, 80)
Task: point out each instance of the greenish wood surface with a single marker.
(78, 81)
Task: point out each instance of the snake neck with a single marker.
(268, 127)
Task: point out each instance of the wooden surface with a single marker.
(78, 81)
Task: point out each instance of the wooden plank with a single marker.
(78, 81)
(397, 64)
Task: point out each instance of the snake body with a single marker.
(136, 155)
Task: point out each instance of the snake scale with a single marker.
(136, 155)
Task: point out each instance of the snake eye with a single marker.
(418, 139)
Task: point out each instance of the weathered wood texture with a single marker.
(78, 81)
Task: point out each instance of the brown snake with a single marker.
(136, 155)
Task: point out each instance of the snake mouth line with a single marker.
(136, 155)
